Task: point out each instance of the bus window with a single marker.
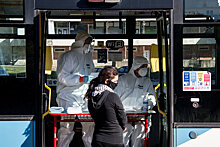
(199, 55)
(146, 26)
(13, 57)
(102, 56)
(97, 26)
(114, 57)
(198, 101)
(148, 48)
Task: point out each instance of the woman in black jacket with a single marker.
(106, 109)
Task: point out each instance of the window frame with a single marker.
(15, 36)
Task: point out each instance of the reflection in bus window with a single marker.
(12, 30)
(199, 55)
(13, 57)
(198, 30)
(12, 10)
(72, 26)
(201, 10)
(146, 26)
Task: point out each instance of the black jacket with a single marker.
(108, 113)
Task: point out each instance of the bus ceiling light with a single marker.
(112, 1)
(198, 18)
(104, 1)
(96, 1)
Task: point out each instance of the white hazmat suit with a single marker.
(71, 66)
(131, 89)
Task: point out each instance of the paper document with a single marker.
(74, 110)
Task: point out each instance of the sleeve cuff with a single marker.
(80, 79)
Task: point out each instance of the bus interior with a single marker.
(118, 36)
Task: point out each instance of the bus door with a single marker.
(109, 48)
(117, 38)
(196, 93)
(150, 41)
(162, 87)
(44, 65)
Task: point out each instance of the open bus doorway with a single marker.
(142, 35)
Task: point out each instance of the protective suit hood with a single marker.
(79, 41)
(137, 62)
(99, 95)
(131, 88)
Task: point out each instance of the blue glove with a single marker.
(87, 79)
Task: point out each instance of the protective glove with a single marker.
(86, 79)
(151, 101)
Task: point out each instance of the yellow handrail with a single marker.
(48, 109)
(160, 111)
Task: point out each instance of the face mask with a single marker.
(142, 72)
(87, 48)
(90, 48)
(112, 85)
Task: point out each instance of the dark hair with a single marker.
(108, 72)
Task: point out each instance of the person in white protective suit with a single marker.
(132, 88)
(73, 75)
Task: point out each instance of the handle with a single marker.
(48, 109)
(158, 106)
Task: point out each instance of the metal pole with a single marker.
(130, 30)
(171, 86)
